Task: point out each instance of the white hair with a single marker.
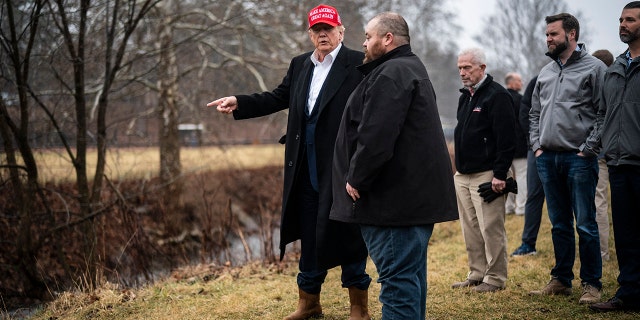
(477, 55)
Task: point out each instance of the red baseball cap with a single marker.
(324, 14)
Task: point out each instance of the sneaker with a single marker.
(524, 250)
(465, 284)
(590, 294)
(554, 287)
(485, 287)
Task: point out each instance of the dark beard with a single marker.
(631, 37)
(559, 49)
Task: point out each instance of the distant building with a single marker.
(191, 134)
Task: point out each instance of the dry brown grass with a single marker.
(256, 291)
(131, 163)
(268, 292)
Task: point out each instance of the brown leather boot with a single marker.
(308, 306)
(359, 300)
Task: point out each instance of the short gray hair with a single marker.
(477, 55)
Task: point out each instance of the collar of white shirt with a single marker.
(320, 73)
(331, 54)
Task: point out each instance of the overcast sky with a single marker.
(601, 18)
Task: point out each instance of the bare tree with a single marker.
(433, 35)
(73, 37)
(514, 36)
(18, 38)
(168, 113)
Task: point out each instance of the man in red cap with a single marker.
(315, 91)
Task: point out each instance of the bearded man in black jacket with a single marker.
(392, 171)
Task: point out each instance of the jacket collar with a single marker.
(488, 79)
(335, 78)
(621, 65)
(401, 51)
(577, 54)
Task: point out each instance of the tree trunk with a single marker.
(170, 166)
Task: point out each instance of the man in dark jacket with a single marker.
(484, 147)
(392, 173)
(315, 90)
(621, 145)
(516, 202)
(535, 192)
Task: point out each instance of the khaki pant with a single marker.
(602, 208)
(483, 229)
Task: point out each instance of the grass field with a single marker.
(127, 163)
(256, 291)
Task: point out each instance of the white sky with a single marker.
(600, 17)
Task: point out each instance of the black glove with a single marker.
(512, 186)
(488, 195)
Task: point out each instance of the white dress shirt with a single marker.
(320, 73)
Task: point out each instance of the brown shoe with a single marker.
(590, 294)
(613, 304)
(554, 287)
(466, 284)
(308, 306)
(359, 300)
(485, 287)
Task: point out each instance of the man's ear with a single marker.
(388, 38)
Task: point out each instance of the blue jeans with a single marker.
(400, 256)
(625, 192)
(535, 201)
(569, 183)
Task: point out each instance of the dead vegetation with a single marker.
(140, 241)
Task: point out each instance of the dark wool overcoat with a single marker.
(337, 243)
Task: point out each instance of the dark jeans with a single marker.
(535, 201)
(311, 277)
(625, 192)
(569, 183)
(400, 256)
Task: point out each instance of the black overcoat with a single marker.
(391, 148)
(337, 243)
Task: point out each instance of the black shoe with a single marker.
(613, 304)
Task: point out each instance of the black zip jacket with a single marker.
(485, 133)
